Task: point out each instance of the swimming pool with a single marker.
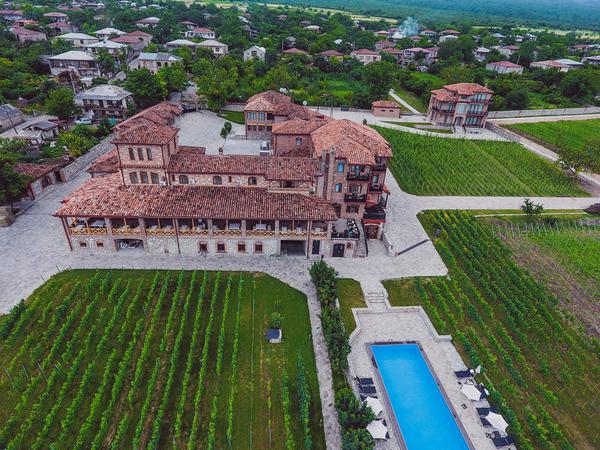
(421, 411)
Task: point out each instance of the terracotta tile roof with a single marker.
(358, 144)
(138, 33)
(504, 64)
(330, 53)
(125, 39)
(190, 150)
(107, 163)
(202, 30)
(288, 169)
(59, 25)
(364, 51)
(468, 88)
(106, 197)
(392, 51)
(150, 134)
(36, 171)
(294, 51)
(385, 104)
(163, 113)
(298, 126)
(443, 96)
(278, 104)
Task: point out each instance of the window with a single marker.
(220, 247)
(183, 179)
(203, 247)
(99, 244)
(144, 177)
(133, 177)
(352, 209)
(298, 141)
(140, 154)
(82, 244)
(258, 248)
(251, 116)
(375, 179)
(131, 154)
(261, 116)
(241, 247)
(149, 154)
(217, 180)
(154, 177)
(46, 181)
(340, 167)
(229, 179)
(252, 181)
(338, 187)
(355, 188)
(261, 128)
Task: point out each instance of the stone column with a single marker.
(277, 228)
(210, 227)
(7, 217)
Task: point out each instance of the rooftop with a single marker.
(35, 171)
(163, 113)
(109, 31)
(107, 163)
(467, 88)
(106, 44)
(105, 196)
(74, 55)
(25, 32)
(385, 104)
(184, 42)
(146, 134)
(104, 92)
(158, 57)
(364, 51)
(8, 110)
(298, 126)
(77, 36)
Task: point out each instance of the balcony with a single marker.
(379, 167)
(376, 188)
(88, 226)
(374, 213)
(260, 233)
(166, 231)
(87, 230)
(353, 176)
(345, 229)
(443, 110)
(352, 197)
(126, 231)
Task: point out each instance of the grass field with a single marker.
(141, 359)
(574, 133)
(350, 296)
(410, 98)
(541, 370)
(426, 165)
(420, 124)
(233, 116)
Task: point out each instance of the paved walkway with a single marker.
(404, 103)
(532, 119)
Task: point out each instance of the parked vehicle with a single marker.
(83, 121)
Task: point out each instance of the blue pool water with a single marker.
(420, 409)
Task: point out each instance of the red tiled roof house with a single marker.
(460, 105)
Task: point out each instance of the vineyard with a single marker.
(426, 165)
(140, 359)
(542, 371)
(573, 133)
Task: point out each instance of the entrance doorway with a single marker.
(293, 248)
(316, 247)
(338, 250)
(372, 231)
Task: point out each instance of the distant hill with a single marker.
(584, 14)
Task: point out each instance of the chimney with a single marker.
(220, 151)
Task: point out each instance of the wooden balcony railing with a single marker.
(127, 231)
(260, 232)
(160, 231)
(84, 230)
(227, 232)
(293, 233)
(193, 232)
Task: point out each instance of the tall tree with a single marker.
(147, 89)
(61, 103)
(12, 184)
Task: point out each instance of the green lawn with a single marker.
(233, 116)
(541, 369)
(427, 165)
(418, 125)
(146, 359)
(350, 296)
(573, 133)
(410, 98)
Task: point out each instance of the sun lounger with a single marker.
(367, 389)
(464, 373)
(364, 396)
(485, 422)
(365, 381)
(503, 441)
(483, 411)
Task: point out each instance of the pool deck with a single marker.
(401, 324)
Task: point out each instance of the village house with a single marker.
(27, 35)
(57, 17)
(507, 50)
(155, 61)
(481, 53)
(385, 108)
(200, 32)
(189, 24)
(112, 48)
(428, 33)
(332, 55)
(35, 134)
(313, 28)
(593, 60)
(148, 22)
(81, 63)
(59, 28)
(382, 34)
(293, 51)
(380, 45)
(365, 56)
(107, 33)
(504, 67)
(393, 51)
(105, 100)
(136, 40)
(562, 65)
(460, 105)
(78, 40)
(160, 197)
(177, 43)
(255, 52)
(417, 54)
(10, 116)
(219, 49)
(10, 15)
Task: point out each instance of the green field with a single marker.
(426, 165)
(573, 133)
(350, 296)
(410, 98)
(233, 116)
(542, 371)
(142, 359)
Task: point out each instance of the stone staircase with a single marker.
(376, 299)
(361, 245)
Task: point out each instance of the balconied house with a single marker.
(81, 63)
(264, 109)
(78, 39)
(166, 198)
(136, 40)
(460, 105)
(204, 33)
(27, 35)
(365, 56)
(105, 100)
(154, 61)
(219, 49)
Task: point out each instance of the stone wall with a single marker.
(92, 244)
(543, 112)
(72, 170)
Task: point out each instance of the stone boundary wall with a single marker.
(73, 169)
(543, 112)
(501, 131)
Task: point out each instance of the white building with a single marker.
(218, 48)
(481, 53)
(105, 100)
(181, 43)
(78, 39)
(155, 61)
(148, 22)
(106, 33)
(77, 61)
(504, 67)
(204, 33)
(255, 52)
(562, 65)
(365, 56)
(113, 48)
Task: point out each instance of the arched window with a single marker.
(183, 179)
(154, 177)
(252, 181)
(131, 154)
(46, 181)
(140, 154)
(149, 154)
(217, 180)
(298, 142)
(133, 177)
